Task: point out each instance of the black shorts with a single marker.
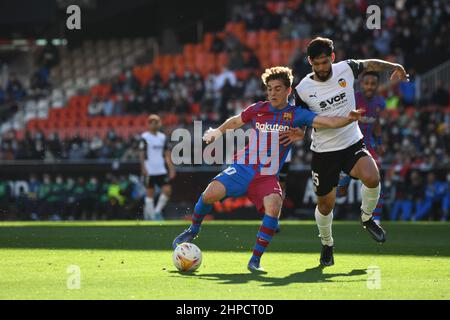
(152, 181)
(284, 172)
(327, 166)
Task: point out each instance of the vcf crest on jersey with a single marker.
(342, 82)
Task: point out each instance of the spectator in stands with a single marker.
(106, 150)
(69, 200)
(446, 201)
(217, 45)
(92, 198)
(32, 197)
(103, 201)
(253, 89)
(95, 146)
(76, 152)
(15, 89)
(432, 201)
(54, 146)
(301, 66)
(49, 56)
(118, 105)
(108, 107)
(39, 83)
(253, 62)
(132, 152)
(43, 197)
(39, 146)
(403, 203)
(80, 192)
(236, 60)
(2, 95)
(393, 101)
(440, 96)
(95, 107)
(56, 198)
(116, 200)
(5, 198)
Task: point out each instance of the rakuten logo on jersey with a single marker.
(334, 101)
(265, 127)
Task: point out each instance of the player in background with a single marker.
(156, 167)
(329, 91)
(370, 126)
(247, 175)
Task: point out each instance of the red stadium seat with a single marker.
(208, 40)
(252, 40)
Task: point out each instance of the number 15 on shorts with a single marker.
(315, 178)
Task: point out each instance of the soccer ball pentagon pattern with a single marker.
(187, 257)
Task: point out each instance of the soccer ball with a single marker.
(187, 257)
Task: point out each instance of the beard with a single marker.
(323, 76)
(369, 94)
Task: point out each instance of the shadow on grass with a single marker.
(312, 275)
(402, 239)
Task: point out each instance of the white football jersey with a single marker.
(289, 157)
(334, 97)
(154, 146)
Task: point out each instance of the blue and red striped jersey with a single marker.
(267, 122)
(373, 108)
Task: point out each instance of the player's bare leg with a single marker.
(324, 220)
(272, 209)
(366, 170)
(166, 192)
(149, 206)
(214, 192)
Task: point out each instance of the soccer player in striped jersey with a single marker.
(251, 176)
(370, 127)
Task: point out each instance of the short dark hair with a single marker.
(372, 73)
(283, 74)
(319, 46)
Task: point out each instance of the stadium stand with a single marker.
(91, 102)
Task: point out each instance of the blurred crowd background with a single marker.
(88, 101)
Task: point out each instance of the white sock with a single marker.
(149, 209)
(324, 225)
(370, 198)
(162, 201)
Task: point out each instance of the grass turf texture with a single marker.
(133, 260)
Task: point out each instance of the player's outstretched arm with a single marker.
(337, 122)
(230, 124)
(398, 72)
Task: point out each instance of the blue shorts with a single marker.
(241, 180)
(236, 179)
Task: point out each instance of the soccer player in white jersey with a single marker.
(156, 167)
(328, 91)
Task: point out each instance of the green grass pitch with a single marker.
(133, 260)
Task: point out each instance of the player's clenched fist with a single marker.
(356, 115)
(211, 135)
